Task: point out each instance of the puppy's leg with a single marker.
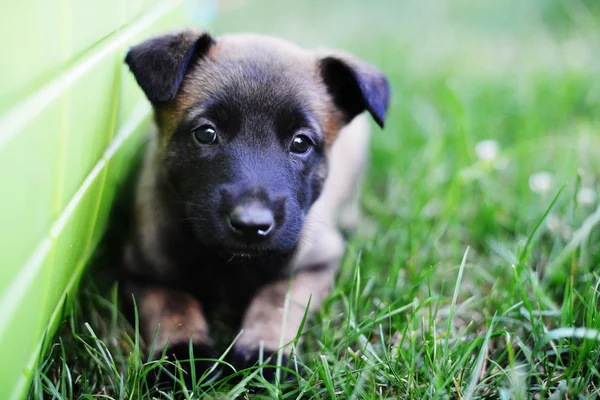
(267, 317)
(170, 319)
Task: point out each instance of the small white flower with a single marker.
(577, 52)
(541, 182)
(586, 196)
(559, 226)
(487, 150)
(501, 163)
(566, 232)
(554, 223)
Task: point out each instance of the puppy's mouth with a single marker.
(245, 253)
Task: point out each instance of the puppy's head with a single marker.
(245, 123)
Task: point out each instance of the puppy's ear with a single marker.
(159, 64)
(355, 86)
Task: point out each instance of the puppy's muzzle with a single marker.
(252, 221)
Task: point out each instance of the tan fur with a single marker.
(151, 219)
(267, 315)
(169, 316)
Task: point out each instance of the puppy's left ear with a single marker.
(355, 86)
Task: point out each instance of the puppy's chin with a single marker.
(267, 249)
(237, 253)
(228, 246)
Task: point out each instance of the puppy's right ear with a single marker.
(159, 64)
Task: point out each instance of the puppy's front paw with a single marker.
(243, 358)
(169, 374)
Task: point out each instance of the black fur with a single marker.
(160, 64)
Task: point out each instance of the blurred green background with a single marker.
(495, 107)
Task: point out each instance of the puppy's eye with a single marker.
(206, 134)
(301, 144)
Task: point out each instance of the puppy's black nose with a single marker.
(253, 221)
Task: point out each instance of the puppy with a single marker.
(258, 150)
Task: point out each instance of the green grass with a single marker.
(462, 281)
